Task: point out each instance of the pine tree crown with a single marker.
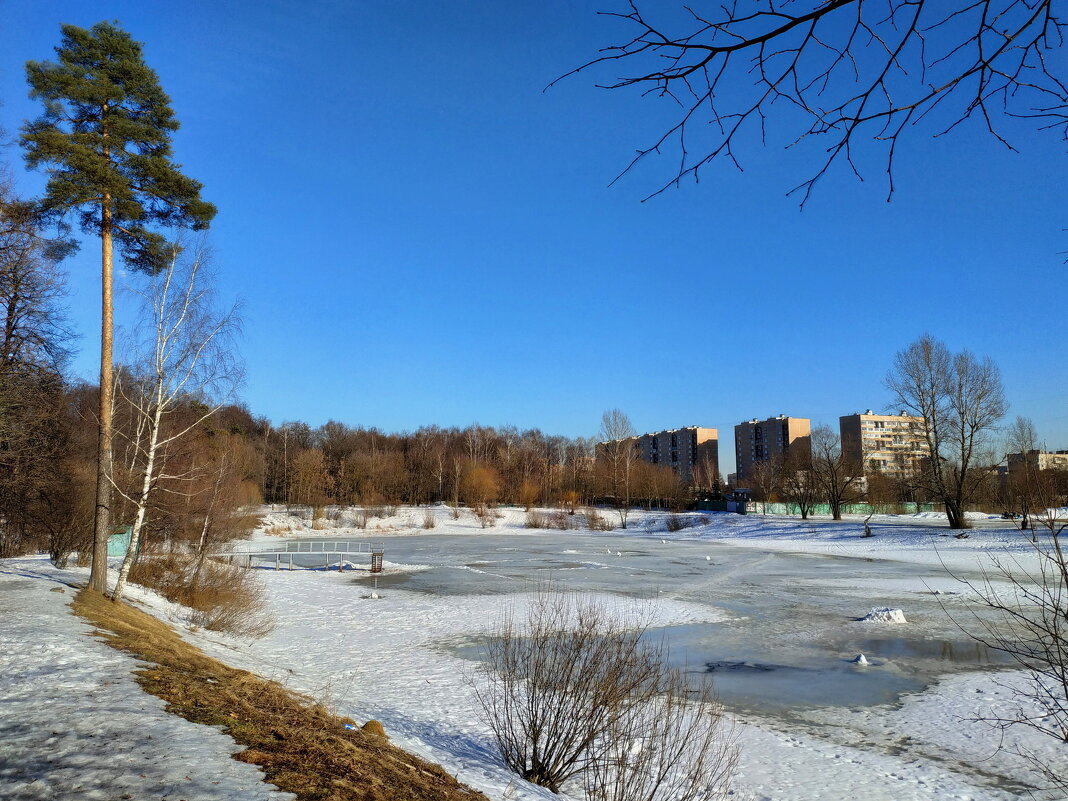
(106, 133)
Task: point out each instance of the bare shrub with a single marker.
(570, 689)
(536, 519)
(559, 520)
(595, 521)
(277, 529)
(454, 513)
(430, 520)
(675, 746)
(360, 518)
(675, 522)
(375, 510)
(223, 597)
(487, 515)
(1030, 627)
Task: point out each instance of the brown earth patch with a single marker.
(301, 746)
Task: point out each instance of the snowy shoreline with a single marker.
(386, 659)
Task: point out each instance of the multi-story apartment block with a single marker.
(758, 441)
(685, 450)
(688, 451)
(891, 444)
(1036, 460)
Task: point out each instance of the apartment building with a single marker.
(1036, 460)
(688, 451)
(757, 441)
(891, 444)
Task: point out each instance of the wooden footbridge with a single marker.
(308, 555)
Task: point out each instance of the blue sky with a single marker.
(420, 235)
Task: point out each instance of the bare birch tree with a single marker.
(619, 452)
(1024, 474)
(187, 353)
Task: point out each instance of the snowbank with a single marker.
(884, 614)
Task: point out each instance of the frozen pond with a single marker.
(790, 625)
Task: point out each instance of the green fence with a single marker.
(759, 507)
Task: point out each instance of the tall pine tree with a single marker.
(105, 141)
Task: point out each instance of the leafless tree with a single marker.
(960, 400)
(568, 690)
(187, 352)
(799, 485)
(766, 478)
(1024, 474)
(836, 73)
(1030, 625)
(838, 479)
(619, 454)
(39, 479)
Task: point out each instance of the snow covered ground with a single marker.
(771, 604)
(75, 725)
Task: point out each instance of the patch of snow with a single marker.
(884, 614)
(75, 725)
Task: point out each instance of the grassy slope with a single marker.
(300, 745)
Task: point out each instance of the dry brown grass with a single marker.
(248, 522)
(223, 597)
(301, 747)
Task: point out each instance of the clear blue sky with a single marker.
(420, 235)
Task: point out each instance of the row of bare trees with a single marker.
(40, 444)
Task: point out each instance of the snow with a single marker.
(401, 653)
(75, 725)
(884, 614)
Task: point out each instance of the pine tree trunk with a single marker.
(98, 575)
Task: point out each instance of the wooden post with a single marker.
(276, 558)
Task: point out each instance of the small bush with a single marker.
(487, 515)
(455, 512)
(676, 522)
(360, 518)
(559, 520)
(223, 597)
(569, 691)
(536, 519)
(596, 522)
(429, 519)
